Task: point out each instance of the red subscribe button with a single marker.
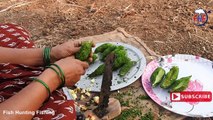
(191, 96)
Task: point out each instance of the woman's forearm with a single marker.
(30, 98)
(31, 57)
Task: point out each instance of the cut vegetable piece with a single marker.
(126, 68)
(121, 59)
(98, 71)
(181, 84)
(108, 51)
(102, 47)
(170, 78)
(157, 76)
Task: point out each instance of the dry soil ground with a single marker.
(164, 25)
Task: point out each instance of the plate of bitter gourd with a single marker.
(128, 66)
(172, 79)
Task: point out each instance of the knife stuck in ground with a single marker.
(101, 110)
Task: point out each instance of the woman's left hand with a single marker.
(65, 50)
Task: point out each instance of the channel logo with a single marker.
(200, 17)
(191, 96)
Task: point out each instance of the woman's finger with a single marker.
(76, 49)
(90, 59)
(83, 72)
(72, 56)
(85, 65)
(77, 43)
(91, 54)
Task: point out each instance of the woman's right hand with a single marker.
(73, 69)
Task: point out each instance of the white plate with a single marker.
(117, 82)
(202, 80)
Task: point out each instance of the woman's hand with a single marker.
(73, 69)
(65, 50)
(37, 92)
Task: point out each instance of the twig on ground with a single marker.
(196, 30)
(181, 36)
(189, 35)
(127, 7)
(175, 19)
(92, 7)
(70, 4)
(15, 6)
(74, 5)
(156, 41)
(98, 10)
(202, 38)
